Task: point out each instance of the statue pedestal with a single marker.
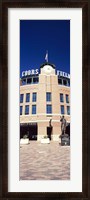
(65, 140)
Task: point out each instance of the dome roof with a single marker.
(47, 63)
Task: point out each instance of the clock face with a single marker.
(48, 69)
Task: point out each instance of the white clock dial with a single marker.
(48, 68)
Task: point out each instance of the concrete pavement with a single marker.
(44, 161)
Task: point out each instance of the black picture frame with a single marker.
(4, 194)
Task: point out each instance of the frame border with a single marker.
(4, 100)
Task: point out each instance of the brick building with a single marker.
(44, 97)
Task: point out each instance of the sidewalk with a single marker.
(44, 161)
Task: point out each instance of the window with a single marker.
(62, 109)
(21, 110)
(68, 110)
(34, 97)
(35, 80)
(27, 97)
(68, 82)
(48, 96)
(29, 81)
(24, 82)
(27, 110)
(60, 81)
(49, 109)
(64, 82)
(33, 109)
(61, 98)
(21, 98)
(67, 98)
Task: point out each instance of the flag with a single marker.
(46, 57)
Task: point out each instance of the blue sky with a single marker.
(38, 36)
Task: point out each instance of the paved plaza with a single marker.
(44, 161)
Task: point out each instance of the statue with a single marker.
(49, 129)
(63, 125)
(50, 123)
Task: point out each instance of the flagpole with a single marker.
(46, 57)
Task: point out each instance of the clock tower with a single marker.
(48, 83)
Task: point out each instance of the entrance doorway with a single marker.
(68, 129)
(30, 130)
(49, 132)
(33, 132)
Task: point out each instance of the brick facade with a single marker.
(48, 82)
